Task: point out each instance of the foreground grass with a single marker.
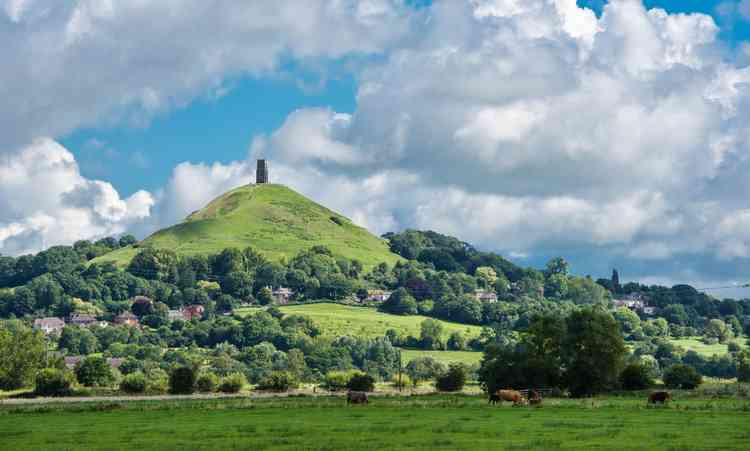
(426, 422)
(336, 320)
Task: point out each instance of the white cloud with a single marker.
(743, 7)
(44, 201)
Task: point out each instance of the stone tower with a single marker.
(261, 173)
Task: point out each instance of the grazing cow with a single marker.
(535, 399)
(507, 395)
(660, 397)
(356, 397)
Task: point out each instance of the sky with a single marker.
(612, 133)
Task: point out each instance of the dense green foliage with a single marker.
(182, 380)
(94, 371)
(361, 382)
(21, 355)
(53, 382)
(452, 380)
(636, 376)
(278, 381)
(232, 383)
(134, 383)
(682, 376)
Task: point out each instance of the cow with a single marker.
(507, 395)
(660, 397)
(535, 399)
(356, 397)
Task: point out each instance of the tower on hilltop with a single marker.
(261, 173)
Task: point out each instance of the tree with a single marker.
(424, 368)
(487, 276)
(630, 323)
(718, 329)
(457, 341)
(431, 334)
(594, 351)
(452, 380)
(682, 376)
(182, 380)
(675, 314)
(94, 371)
(127, 240)
(361, 382)
(22, 353)
(238, 284)
(636, 376)
(557, 266)
(133, 383)
(400, 303)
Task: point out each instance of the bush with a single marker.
(682, 376)
(182, 380)
(733, 347)
(207, 382)
(361, 382)
(452, 380)
(53, 382)
(94, 371)
(337, 380)
(743, 371)
(710, 340)
(133, 383)
(636, 376)
(279, 381)
(232, 383)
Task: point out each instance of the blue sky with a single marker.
(624, 147)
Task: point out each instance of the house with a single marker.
(127, 319)
(282, 295)
(632, 304)
(378, 295)
(82, 320)
(174, 315)
(72, 361)
(192, 311)
(115, 362)
(51, 325)
(486, 296)
(647, 310)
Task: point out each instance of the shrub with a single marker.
(133, 383)
(361, 382)
(743, 371)
(53, 382)
(278, 381)
(232, 383)
(452, 380)
(734, 347)
(182, 380)
(207, 382)
(682, 376)
(710, 340)
(635, 376)
(337, 380)
(94, 371)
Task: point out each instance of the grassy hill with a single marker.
(273, 219)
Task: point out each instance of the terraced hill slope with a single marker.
(273, 219)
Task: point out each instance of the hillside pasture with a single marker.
(336, 320)
(706, 350)
(423, 422)
(465, 357)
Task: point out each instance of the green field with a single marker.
(273, 219)
(424, 422)
(695, 344)
(465, 357)
(337, 320)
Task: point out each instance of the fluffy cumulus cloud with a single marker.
(534, 127)
(528, 127)
(44, 201)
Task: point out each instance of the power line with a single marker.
(744, 285)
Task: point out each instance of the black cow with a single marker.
(356, 397)
(660, 397)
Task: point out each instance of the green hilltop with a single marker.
(273, 219)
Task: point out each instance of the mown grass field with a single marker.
(273, 219)
(425, 422)
(695, 344)
(337, 319)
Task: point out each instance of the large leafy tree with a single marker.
(594, 351)
(22, 353)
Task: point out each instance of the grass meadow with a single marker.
(423, 422)
(695, 344)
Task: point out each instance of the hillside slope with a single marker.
(273, 219)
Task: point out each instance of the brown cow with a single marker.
(507, 395)
(535, 399)
(660, 397)
(356, 397)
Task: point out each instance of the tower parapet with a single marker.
(261, 173)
